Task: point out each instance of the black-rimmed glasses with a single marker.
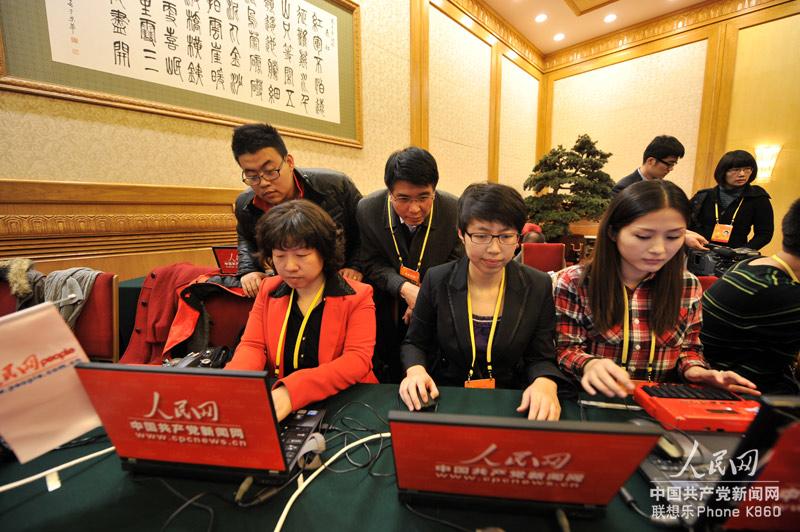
(253, 177)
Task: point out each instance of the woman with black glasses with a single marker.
(725, 213)
(485, 321)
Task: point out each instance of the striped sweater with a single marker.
(751, 325)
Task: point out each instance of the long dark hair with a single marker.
(604, 270)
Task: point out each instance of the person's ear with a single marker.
(612, 234)
(289, 160)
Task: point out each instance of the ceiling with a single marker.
(562, 17)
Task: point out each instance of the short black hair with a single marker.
(491, 202)
(735, 159)
(412, 164)
(250, 138)
(791, 230)
(301, 223)
(663, 146)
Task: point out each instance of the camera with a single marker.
(213, 357)
(718, 259)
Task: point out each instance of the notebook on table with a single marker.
(509, 463)
(203, 423)
(695, 408)
(227, 258)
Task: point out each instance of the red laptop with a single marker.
(695, 408)
(195, 422)
(227, 258)
(514, 463)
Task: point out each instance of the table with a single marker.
(98, 495)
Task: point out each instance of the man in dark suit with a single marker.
(404, 230)
(659, 158)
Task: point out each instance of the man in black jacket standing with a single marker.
(405, 229)
(658, 160)
(269, 169)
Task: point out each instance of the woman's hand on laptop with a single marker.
(727, 380)
(603, 375)
(282, 402)
(540, 400)
(417, 387)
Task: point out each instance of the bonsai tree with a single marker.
(569, 185)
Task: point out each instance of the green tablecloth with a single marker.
(98, 495)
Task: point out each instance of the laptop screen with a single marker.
(227, 258)
(564, 462)
(187, 415)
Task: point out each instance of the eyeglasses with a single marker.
(407, 200)
(253, 177)
(484, 239)
(665, 163)
(745, 169)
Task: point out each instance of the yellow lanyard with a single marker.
(391, 231)
(491, 331)
(716, 211)
(786, 267)
(626, 332)
(282, 337)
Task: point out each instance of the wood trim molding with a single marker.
(500, 28)
(420, 95)
(111, 227)
(495, 84)
(573, 5)
(673, 24)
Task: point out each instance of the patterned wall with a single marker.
(518, 109)
(623, 106)
(50, 139)
(459, 75)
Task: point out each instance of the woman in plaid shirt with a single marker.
(633, 311)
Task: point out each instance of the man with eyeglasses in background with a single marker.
(405, 229)
(269, 170)
(658, 160)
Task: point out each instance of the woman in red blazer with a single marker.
(309, 327)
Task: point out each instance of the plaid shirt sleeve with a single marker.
(692, 350)
(571, 335)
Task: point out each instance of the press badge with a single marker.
(487, 384)
(722, 233)
(411, 275)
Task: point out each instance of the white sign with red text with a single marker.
(42, 402)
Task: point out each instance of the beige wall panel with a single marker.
(623, 106)
(45, 138)
(765, 107)
(519, 95)
(459, 75)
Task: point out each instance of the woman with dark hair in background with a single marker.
(311, 328)
(725, 213)
(633, 312)
(485, 321)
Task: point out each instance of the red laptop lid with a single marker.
(773, 502)
(563, 462)
(227, 258)
(187, 415)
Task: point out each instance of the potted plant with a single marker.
(569, 186)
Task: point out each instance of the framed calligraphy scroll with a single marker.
(293, 63)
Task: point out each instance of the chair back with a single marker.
(707, 280)
(545, 257)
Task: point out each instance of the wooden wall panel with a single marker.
(125, 229)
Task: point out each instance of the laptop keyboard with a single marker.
(295, 429)
(685, 391)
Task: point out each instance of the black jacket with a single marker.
(524, 343)
(626, 181)
(378, 256)
(331, 190)
(755, 212)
